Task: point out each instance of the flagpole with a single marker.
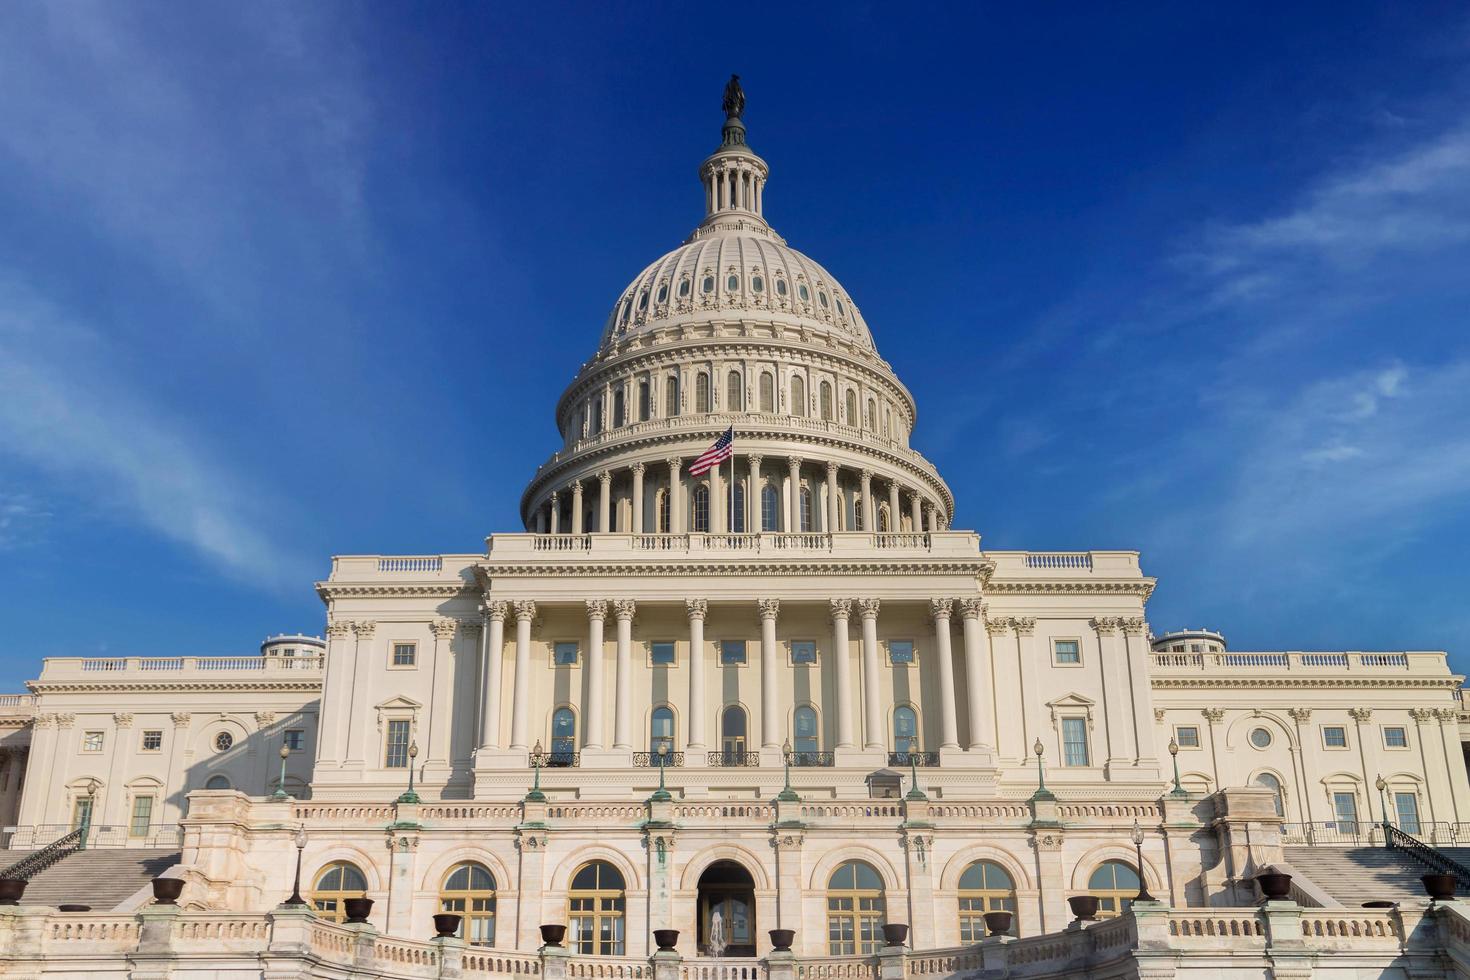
(730, 520)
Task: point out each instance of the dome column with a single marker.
(869, 511)
(753, 497)
(916, 514)
(793, 521)
(832, 519)
(929, 517)
(604, 500)
(577, 507)
(555, 513)
(637, 498)
(676, 503)
(892, 506)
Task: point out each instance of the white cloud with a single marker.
(21, 515)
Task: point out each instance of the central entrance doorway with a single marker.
(726, 911)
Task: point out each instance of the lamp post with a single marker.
(1382, 785)
(787, 794)
(1143, 895)
(914, 792)
(662, 794)
(1178, 790)
(300, 841)
(86, 822)
(280, 793)
(1042, 793)
(409, 796)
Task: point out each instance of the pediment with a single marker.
(399, 703)
(1073, 700)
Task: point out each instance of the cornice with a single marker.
(1142, 588)
(665, 568)
(1298, 681)
(191, 685)
(440, 590)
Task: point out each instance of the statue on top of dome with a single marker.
(734, 101)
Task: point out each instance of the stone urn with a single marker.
(552, 935)
(667, 939)
(781, 939)
(166, 891)
(446, 924)
(895, 933)
(1441, 888)
(1275, 885)
(11, 889)
(998, 923)
(357, 909)
(1084, 907)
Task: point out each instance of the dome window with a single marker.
(841, 310)
(663, 293)
(802, 292)
(684, 287)
(732, 283)
(823, 298)
(758, 284)
(708, 286)
(642, 301)
(781, 287)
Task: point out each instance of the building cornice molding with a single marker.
(726, 568)
(1298, 681)
(442, 590)
(191, 685)
(1142, 588)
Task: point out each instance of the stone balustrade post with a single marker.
(451, 957)
(892, 963)
(666, 965)
(554, 962)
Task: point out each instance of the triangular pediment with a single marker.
(399, 703)
(1073, 700)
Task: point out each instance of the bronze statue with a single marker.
(734, 101)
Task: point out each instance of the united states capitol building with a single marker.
(783, 695)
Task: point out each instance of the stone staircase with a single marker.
(1354, 875)
(101, 878)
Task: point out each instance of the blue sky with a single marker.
(284, 280)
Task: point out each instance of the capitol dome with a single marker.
(735, 332)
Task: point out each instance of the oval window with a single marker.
(684, 287)
(663, 293)
(801, 291)
(732, 283)
(823, 298)
(758, 284)
(781, 287)
(223, 742)
(1260, 738)
(708, 285)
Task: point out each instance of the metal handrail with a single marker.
(732, 760)
(653, 760)
(797, 760)
(34, 864)
(1431, 857)
(921, 759)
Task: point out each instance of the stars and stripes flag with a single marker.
(723, 449)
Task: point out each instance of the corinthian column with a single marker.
(577, 527)
(770, 712)
(596, 693)
(490, 671)
(949, 732)
(555, 513)
(893, 514)
(916, 514)
(676, 501)
(753, 501)
(520, 708)
(604, 501)
(977, 669)
(697, 608)
(833, 518)
(623, 705)
(793, 464)
(873, 737)
(638, 498)
(870, 513)
(840, 611)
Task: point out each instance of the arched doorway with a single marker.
(728, 890)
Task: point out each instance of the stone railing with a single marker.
(17, 700)
(108, 669)
(948, 544)
(1287, 660)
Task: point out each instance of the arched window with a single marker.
(732, 735)
(798, 396)
(699, 508)
(984, 887)
(671, 397)
(645, 403)
(885, 523)
(1269, 781)
(858, 523)
(905, 729)
(734, 392)
(217, 782)
(595, 906)
(661, 729)
(563, 735)
(663, 511)
(850, 415)
(770, 508)
(768, 392)
(336, 882)
(872, 415)
(619, 410)
(701, 392)
(469, 890)
(1115, 884)
(826, 401)
(806, 508)
(804, 720)
(595, 415)
(854, 910)
(737, 503)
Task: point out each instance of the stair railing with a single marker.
(34, 864)
(1430, 857)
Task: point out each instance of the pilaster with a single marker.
(402, 841)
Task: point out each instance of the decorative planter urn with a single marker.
(357, 909)
(998, 923)
(1084, 907)
(166, 891)
(895, 933)
(781, 939)
(552, 935)
(446, 924)
(1441, 888)
(1275, 885)
(11, 889)
(667, 939)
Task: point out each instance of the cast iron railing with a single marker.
(1432, 858)
(805, 760)
(920, 759)
(652, 760)
(732, 760)
(33, 864)
(555, 760)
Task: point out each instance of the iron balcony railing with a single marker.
(653, 760)
(1364, 833)
(28, 836)
(920, 759)
(812, 760)
(556, 759)
(732, 760)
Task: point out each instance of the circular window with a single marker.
(781, 287)
(1260, 738)
(663, 293)
(823, 298)
(684, 287)
(708, 285)
(732, 283)
(801, 291)
(758, 284)
(223, 741)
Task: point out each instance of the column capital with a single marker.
(364, 628)
(638, 469)
(1421, 715)
(1133, 625)
(998, 625)
(1024, 625)
(866, 475)
(1361, 715)
(554, 495)
(868, 608)
(494, 610)
(794, 462)
(525, 610)
(1106, 625)
(676, 463)
(624, 608)
(697, 608)
(339, 628)
(831, 470)
(596, 608)
(1213, 715)
(181, 719)
(768, 608)
(940, 608)
(755, 460)
(469, 627)
(443, 629)
(605, 477)
(1300, 714)
(123, 719)
(972, 607)
(1445, 715)
(576, 486)
(841, 608)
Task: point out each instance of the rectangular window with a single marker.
(396, 756)
(1334, 736)
(91, 741)
(1345, 808)
(564, 654)
(142, 816)
(152, 740)
(732, 652)
(661, 653)
(1395, 737)
(1074, 742)
(405, 654)
(900, 651)
(295, 739)
(803, 651)
(1187, 736)
(81, 813)
(1067, 651)
(1406, 805)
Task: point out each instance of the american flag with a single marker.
(722, 450)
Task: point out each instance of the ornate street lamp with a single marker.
(409, 796)
(1143, 895)
(300, 842)
(280, 793)
(1382, 785)
(787, 794)
(90, 786)
(914, 792)
(1178, 790)
(662, 794)
(1042, 793)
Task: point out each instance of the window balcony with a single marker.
(810, 760)
(653, 760)
(732, 760)
(920, 759)
(556, 759)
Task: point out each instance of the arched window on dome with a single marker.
(770, 508)
(594, 417)
(699, 508)
(885, 522)
(645, 403)
(798, 396)
(806, 508)
(619, 410)
(469, 891)
(855, 910)
(671, 397)
(734, 392)
(701, 392)
(850, 415)
(826, 401)
(857, 512)
(737, 508)
(984, 887)
(872, 415)
(768, 393)
(1115, 884)
(662, 515)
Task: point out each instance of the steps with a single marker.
(1354, 875)
(100, 878)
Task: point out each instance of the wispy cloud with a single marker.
(21, 518)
